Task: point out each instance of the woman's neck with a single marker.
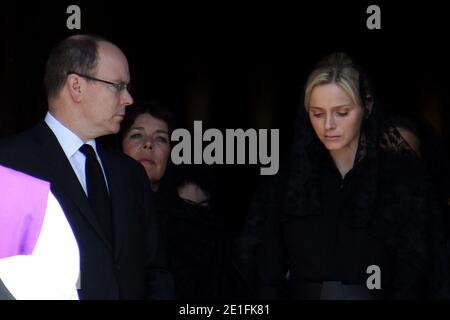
(154, 186)
(344, 158)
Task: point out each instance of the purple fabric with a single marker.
(23, 202)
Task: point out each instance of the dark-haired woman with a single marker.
(184, 200)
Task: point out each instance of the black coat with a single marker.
(393, 225)
(195, 245)
(134, 269)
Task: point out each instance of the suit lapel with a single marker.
(116, 181)
(64, 179)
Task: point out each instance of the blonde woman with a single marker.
(352, 216)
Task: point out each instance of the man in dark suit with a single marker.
(105, 196)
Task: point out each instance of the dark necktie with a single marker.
(97, 192)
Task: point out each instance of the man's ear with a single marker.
(74, 87)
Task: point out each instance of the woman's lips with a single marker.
(149, 161)
(331, 138)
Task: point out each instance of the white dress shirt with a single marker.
(52, 271)
(71, 144)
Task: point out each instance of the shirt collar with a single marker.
(68, 140)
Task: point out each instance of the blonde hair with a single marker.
(339, 69)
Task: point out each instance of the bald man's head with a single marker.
(77, 54)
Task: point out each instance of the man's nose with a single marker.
(127, 99)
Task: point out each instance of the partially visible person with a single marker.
(409, 131)
(197, 240)
(145, 136)
(193, 193)
(39, 257)
(429, 147)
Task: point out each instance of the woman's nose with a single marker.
(148, 144)
(329, 122)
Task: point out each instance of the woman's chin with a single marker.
(332, 145)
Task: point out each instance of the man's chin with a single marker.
(115, 128)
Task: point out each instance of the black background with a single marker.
(233, 65)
